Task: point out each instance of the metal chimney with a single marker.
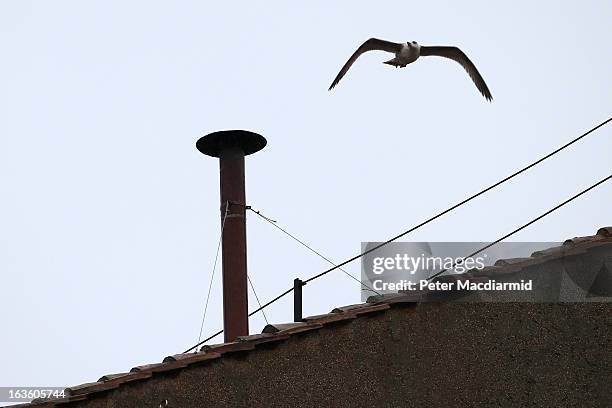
(231, 146)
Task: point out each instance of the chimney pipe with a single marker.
(231, 146)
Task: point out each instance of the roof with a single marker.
(283, 332)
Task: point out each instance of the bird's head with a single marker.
(412, 44)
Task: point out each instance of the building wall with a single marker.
(412, 355)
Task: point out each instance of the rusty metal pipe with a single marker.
(231, 147)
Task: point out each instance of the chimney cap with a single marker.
(213, 143)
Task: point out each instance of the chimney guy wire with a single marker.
(465, 201)
(285, 293)
(257, 297)
(524, 226)
(214, 269)
(275, 224)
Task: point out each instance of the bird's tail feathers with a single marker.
(393, 62)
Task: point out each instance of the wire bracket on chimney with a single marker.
(248, 207)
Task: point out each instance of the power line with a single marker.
(492, 186)
(526, 225)
(285, 293)
(203, 341)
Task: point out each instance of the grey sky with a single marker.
(109, 215)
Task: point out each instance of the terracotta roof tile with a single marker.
(512, 261)
(39, 402)
(605, 231)
(191, 358)
(145, 367)
(225, 348)
(487, 270)
(74, 390)
(554, 251)
(98, 386)
(264, 338)
(580, 240)
(362, 308)
(395, 298)
(330, 318)
(111, 376)
(291, 328)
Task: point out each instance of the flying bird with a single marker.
(407, 53)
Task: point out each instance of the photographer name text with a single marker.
(423, 284)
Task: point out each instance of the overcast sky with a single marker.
(109, 215)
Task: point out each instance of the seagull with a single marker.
(407, 53)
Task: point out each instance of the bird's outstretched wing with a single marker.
(370, 45)
(456, 54)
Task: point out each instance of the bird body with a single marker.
(408, 52)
